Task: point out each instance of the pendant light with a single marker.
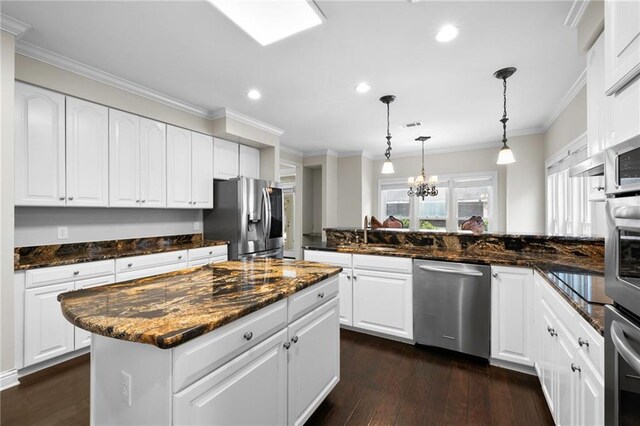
(505, 156)
(419, 186)
(387, 166)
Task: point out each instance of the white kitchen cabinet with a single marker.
(153, 164)
(345, 282)
(599, 105)
(547, 354)
(147, 265)
(39, 147)
(124, 159)
(382, 302)
(511, 315)
(249, 162)
(82, 338)
(251, 389)
(314, 360)
(225, 159)
(622, 43)
(565, 403)
(590, 394)
(47, 332)
(178, 167)
(87, 159)
(207, 255)
(626, 112)
(201, 171)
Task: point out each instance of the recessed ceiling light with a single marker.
(254, 94)
(363, 87)
(447, 33)
(270, 21)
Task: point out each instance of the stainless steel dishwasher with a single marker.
(452, 306)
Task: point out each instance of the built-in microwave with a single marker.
(622, 168)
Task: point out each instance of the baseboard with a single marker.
(8, 379)
(51, 362)
(377, 334)
(513, 366)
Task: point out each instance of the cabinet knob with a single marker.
(137, 201)
(143, 201)
(575, 368)
(180, 257)
(494, 275)
(62, 198)
(70, 198)
(348, 277)
(551, 331)
(129, 265)
(294, 339)
(355, 277)
(76, 272)
(210, 252)
(321, 295)
(583, 342)
(248, 336)
(286, 345)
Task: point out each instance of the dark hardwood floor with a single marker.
(382, 383)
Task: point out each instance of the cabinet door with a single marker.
(201, 171)
(87, 154)
(382, 302)
(590, 405)
(39, 147)
(314, 360)
(251, 389)
(566, 401)
(124, 159)
(178, 167)
(153, 163)
(82, 338)
(596, 99)
(622, 38)
(547, 356)
(346, 298)
(511, 317)
(225, 159)
(249, 162)
(47, 334)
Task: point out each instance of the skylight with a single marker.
(268, 21)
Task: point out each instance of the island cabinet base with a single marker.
(271, 367)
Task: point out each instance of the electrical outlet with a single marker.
(63, 232)
(125, 381)
(196, 226)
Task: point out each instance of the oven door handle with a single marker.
(627, 212)
(624, 348)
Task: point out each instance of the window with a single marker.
(459, 197)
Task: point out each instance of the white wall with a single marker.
(350, 176)
(570, 124)
(39, 225)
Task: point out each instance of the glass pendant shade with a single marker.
(433, 179)
(506, 156)
(419, 179)
(387, 167)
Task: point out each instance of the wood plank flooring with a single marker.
(382, 383)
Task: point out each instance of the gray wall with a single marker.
(39, 225)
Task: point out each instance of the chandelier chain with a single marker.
(387, 152)
(504, 114)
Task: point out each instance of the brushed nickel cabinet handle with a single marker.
(583, 342)
(575, 368)
(294, 339)
(248, 336)
(286, 345)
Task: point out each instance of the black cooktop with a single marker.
(588, 286)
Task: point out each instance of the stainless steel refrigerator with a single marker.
(249, 214)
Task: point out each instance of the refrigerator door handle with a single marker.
(623, 347)
(267, 216)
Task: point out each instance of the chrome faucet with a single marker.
(366, 225)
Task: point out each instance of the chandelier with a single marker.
(419, 186)
(506, 155)
(387, 166)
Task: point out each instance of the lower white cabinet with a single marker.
(82, 338)
(511, 314)
(47, 333)
(251, 389)
(314, 360)
(345, 282)
(382, 302)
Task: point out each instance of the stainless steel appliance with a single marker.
(622, 284)
(452, 306)
(592, 166)
(249, 214)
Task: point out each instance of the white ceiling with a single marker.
(189, 51)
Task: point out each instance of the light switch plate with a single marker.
(125, 379)
(196, 226)
(63, 232)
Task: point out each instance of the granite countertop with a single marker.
(170, 309)
(68, 254)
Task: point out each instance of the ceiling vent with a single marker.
(411, 125)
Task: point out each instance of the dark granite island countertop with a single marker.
(170, 309)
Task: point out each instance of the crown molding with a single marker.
(13, 25)
(576, 11)
(327, 152)
(291, 151)
(568, 97)
(243, 118)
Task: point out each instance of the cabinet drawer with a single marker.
(149, 272)
(331, 258)
(306, 300)
(382, 263)
(199, 357)
(218, 259)
(58, 274)
(205, 252)
(133, 263)
(199, 262)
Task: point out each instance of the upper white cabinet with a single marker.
(225, 159)
(189, 169)
(622, 38)
(249, 162)
(599, 105)
(511, 314)
(87, 166)
(39, 147)
(137, 152)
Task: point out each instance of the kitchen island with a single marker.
(254, 342)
